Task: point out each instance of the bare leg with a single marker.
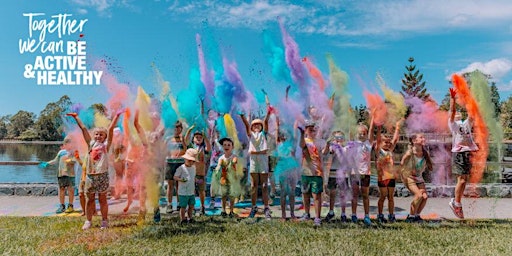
(460, 187)
(255, 180)
(264, 188)
(62, 194)
(170, 191)
(365, 192)
(90, 206)
(71, 194)
(307, 202)
(382, 197)
(317, 200)
(391, 200)
(103, 205)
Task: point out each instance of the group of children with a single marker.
(333, 165)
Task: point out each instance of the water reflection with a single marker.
(27, 152)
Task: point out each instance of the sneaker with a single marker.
(367, 221)
(317, 222)
(70, 209)
(381, 219)
(391, 218)
(457, 210)
(418, 219)
(268, 216)
(329, 216)
(203, 211)
(178, 208)
(87, 225)
(231, 214)
(305, 216)
(354, 219)
(223, 214)
(292, 216)
(344, 218)
(253, 212)
(156, 215)
(104, 224)
(409, 218)
(212, 203)
(168, 209)
(61, 209)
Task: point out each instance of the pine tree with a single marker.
(412, 84)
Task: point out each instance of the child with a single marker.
(175, 149)
(258, 166)
(386, 173)
(312, 172)
(463, 146)
(414, 162)
(203, 147)
(118, 162)
(225, 181)
(337, 174)
(97, 180)
(286, 172)
(67, 159)
(360, 180)
(185, 175)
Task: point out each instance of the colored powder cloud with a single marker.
(480, 131)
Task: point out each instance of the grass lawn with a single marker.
(63, 236)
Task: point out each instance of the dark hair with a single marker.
(426, 154)
(221, 141)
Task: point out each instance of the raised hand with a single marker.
(73, 114)
(453, 92)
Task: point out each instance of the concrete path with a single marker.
(436, 208)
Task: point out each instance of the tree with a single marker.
(495, 98)
(412, 84)
(20, 122)
(506, 117)
(362, 115)
(49, 126)
(4, 122)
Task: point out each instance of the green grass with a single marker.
(63, 236)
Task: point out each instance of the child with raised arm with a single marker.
(386, 173)
(414, 163)
(312, 171)
(337, 176)
(186, 176)
(258, 166)
(463, 146)
(203, 147)
(360, 179)
(67, 159)
(97, 180)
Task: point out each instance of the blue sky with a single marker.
(364, 37)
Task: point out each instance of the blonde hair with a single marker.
(100, 129)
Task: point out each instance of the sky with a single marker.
(364, 37)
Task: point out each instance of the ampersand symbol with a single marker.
(28, 71)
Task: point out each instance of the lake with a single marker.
(27, 152)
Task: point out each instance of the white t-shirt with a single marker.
(97, 161)
(362, 156)
(462, 140)
(189, 173)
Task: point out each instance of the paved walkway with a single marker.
(436, 208)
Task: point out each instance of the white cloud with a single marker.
(349, 17)
(497, 68)
(101, 6)
(82, 11)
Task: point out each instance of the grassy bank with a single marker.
(63, 236)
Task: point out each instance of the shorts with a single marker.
(461, 162)
(272, 162)
(360, 180)
(184, 201)
(96, 183)
(312, 184)
(66, 181)
(258, 164)
(171, 168)
(389, 183)
(200, 183)
(332, 183)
